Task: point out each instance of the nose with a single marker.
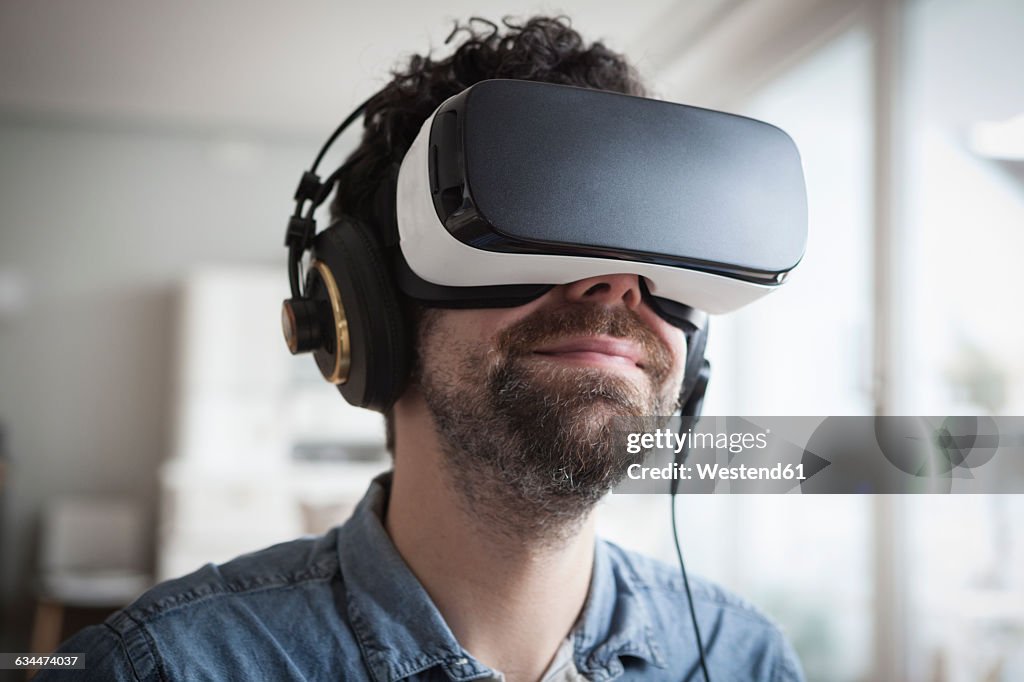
(606, 290)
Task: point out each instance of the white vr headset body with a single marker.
(761, 167)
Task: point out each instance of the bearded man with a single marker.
(476, 557)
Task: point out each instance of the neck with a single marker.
(508, 599)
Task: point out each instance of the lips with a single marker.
(595, 348)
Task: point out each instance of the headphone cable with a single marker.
(691, 410)
(686, 584)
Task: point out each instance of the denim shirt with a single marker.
(345, 606)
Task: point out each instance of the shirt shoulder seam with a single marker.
(324, 571)
(783, 663)
(135, 630)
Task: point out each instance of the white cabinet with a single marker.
(264, 450)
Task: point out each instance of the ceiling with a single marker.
(289, 67)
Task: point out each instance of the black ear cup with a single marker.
(697, 368)
(366, 323)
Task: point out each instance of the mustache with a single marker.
(548, 325)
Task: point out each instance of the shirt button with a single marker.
(462, 661)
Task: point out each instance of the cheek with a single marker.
(672, 337)
(679, 347)
(453, 339)
(483, 325)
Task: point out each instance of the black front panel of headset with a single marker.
(529, 167)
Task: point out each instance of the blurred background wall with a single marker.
(147, 158)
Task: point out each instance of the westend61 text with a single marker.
(707, 472)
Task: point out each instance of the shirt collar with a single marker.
(399, 629)
(401, 632)
(616, 620)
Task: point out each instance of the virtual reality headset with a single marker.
(513, 186)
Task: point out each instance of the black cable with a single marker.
(309, 182)
(689, 414)
(686, 582)
(334, 136)
(294, 255)
(326, 187)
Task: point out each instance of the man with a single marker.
(476, 558)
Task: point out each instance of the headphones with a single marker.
(349, 311)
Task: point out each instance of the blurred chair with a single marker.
(92, 556)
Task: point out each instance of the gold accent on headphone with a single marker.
(290, 327)
(343, 350)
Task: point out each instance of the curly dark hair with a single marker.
(541, 49)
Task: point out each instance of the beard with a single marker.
(530, 444)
